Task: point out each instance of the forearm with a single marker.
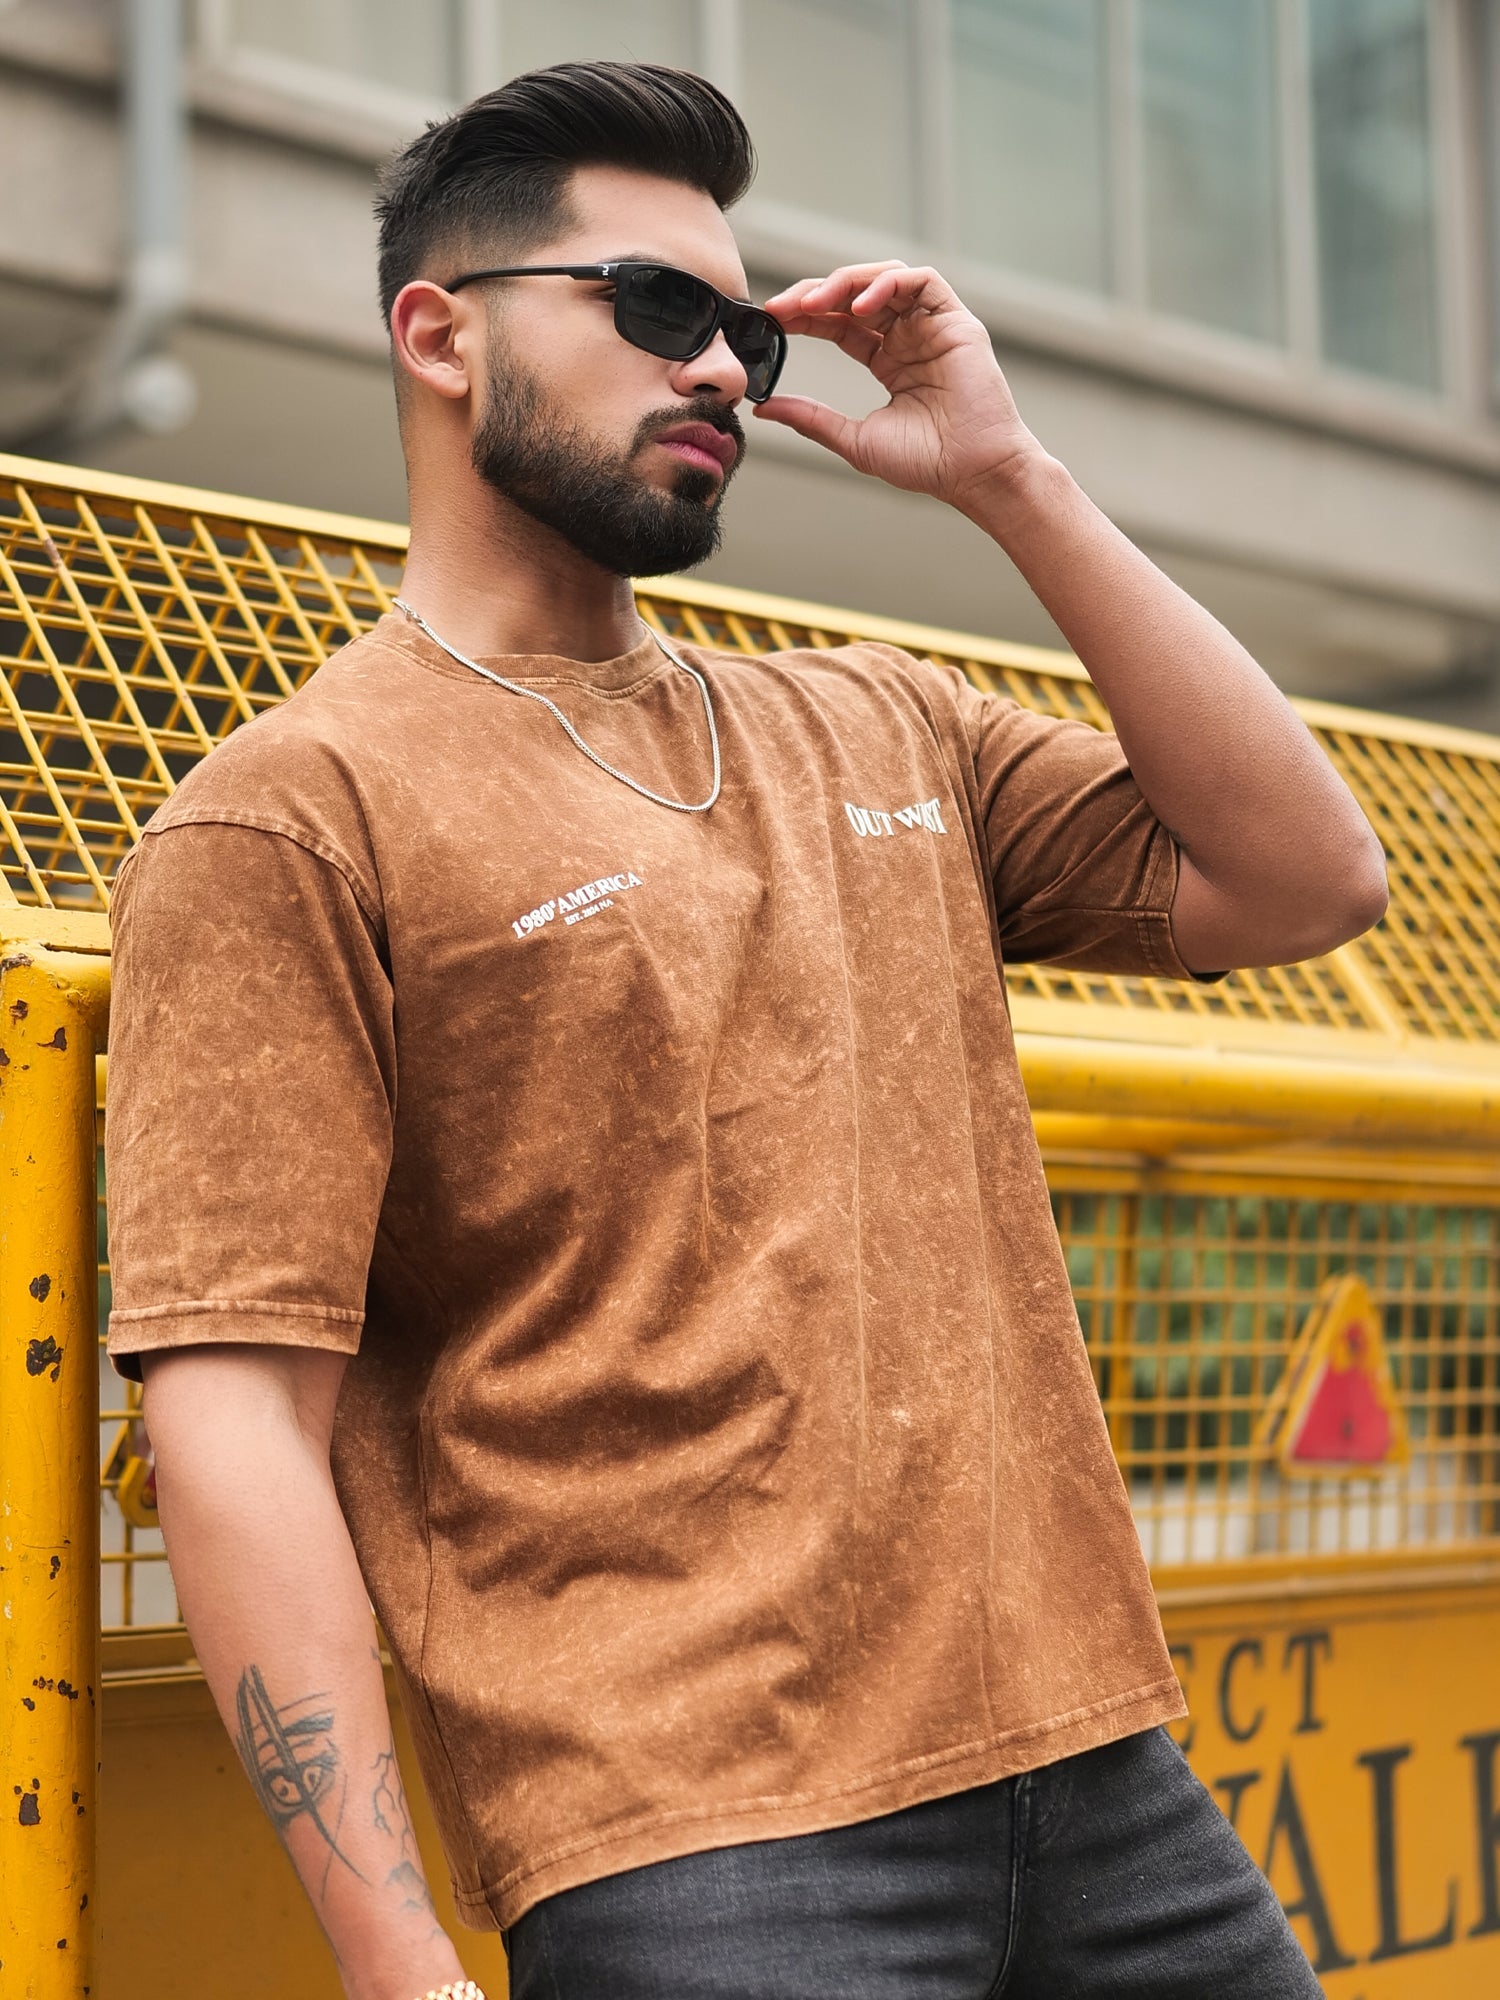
(1219, 753)
(279, 1618)
(1278, 861)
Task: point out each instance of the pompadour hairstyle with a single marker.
(493, 178)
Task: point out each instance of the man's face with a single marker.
(580, 429)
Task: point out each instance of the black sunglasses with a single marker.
(673, 314)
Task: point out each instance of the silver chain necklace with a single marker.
(673, 805)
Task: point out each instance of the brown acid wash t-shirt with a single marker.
(719, 1444)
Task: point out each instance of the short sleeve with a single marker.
(250, 1094)
(1084, 872)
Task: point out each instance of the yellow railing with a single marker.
(1214, 1153)
(139, 624)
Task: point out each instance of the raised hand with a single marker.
(951, 427)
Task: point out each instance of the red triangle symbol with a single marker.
(1344, 1416)
(1339, 1406)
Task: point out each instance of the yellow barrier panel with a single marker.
(1216, 1155)
(52, 1011)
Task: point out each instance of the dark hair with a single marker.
(495, 175)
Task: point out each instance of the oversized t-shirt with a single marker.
(719, 1444)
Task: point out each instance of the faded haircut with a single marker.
(492, 180)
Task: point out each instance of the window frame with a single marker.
(1118, 328)
(226, 59)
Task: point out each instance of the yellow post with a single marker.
(52, 1011)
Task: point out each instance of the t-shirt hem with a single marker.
(138, 1330)
(935, 1775)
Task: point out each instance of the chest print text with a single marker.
(585, 901)
(870, 823)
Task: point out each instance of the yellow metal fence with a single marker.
(139, 625)
(1189, 1301)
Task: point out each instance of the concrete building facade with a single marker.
(1240, 260)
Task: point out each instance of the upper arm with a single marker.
(1084, 873)
(193, 1397)
(250, 1096)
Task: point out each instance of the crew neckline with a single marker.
(644, 660)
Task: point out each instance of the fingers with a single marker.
(876, 295)
(861, 343)
(792, 295)
(813, 420)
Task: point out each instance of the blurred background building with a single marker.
(1240, 258)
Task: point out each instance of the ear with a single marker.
(434, 338)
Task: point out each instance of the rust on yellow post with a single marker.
(52, 1012)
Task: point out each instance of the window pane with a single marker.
(388, 41)
(1208, 113)
(536, 32)
(1029, 106)
(829, 90)
(1373, 151)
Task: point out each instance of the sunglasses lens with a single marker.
(760, 347)
(666, 312)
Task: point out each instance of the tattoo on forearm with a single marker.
(293, 1762)
(388, 1802)
(298, 1773)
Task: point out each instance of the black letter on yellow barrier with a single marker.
(1482, 1749)
(1232, 1658)
(1287, 1820)
(1381, 1764)
(1308, 1643)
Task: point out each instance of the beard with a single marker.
(528, 451)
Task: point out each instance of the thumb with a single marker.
(813, 420)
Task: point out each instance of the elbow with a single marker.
(1356, 897)
(1376, 891)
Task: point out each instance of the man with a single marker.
(570, 1178)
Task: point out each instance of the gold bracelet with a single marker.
(456, 1989)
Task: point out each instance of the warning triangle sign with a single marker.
(1336, 1409)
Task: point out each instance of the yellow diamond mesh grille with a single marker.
(138, 626)
(1189, 1304)
(136, 632)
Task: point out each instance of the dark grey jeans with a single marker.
(1110, 1874)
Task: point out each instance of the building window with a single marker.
(662, 31)
(1140, 149)
(1206, 76)
(388, 42)
(1029, 132)
(1266, 169)
(828, 92)
(1372, 128)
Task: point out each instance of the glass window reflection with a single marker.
(1030, 136)
(1374, 174)
(829, 92)
(1207, 78)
